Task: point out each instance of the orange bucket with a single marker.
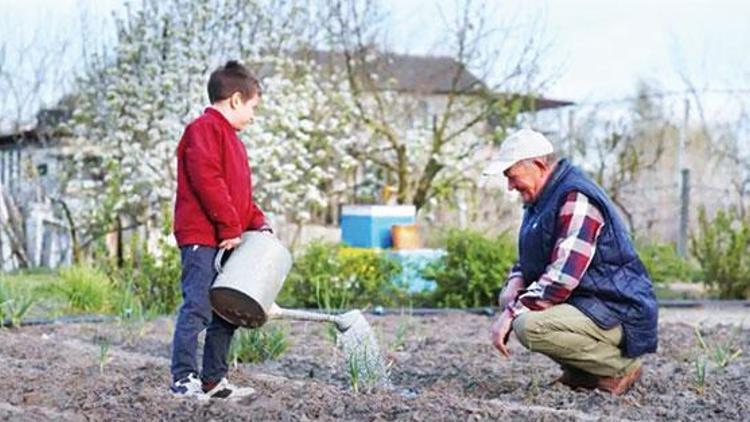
(405, 236)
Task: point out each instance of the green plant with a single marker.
(258, 345)
(363, 368)
(472, 272)
(354, 369)
(719, 353)
(127, 305)
(152, 275)
(722, 248)
(329, 276)
(664, 264)
(368, 275)
(722, 353)
(84, 288)
(13, 305)
(103, 354)
(404, 326)
(699, 374)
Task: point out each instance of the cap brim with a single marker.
(497, 167)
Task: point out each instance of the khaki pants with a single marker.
(572, 339)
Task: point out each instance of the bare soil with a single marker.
(442, 368)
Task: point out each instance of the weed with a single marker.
(332, 333)
(103, 354)
(354, 367)
(721, 353)
(362, 369)
(403, 328)
(13, 306)
(699, 374)
(253, 346)
(85, 289)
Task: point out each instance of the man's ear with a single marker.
(541, 164)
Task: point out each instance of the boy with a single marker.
(214, 205)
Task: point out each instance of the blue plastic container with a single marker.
(369, 226)
(413, 261)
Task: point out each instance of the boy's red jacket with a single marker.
(214, 184)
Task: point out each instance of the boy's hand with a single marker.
(229, 244)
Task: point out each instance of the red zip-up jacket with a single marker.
(214, 184)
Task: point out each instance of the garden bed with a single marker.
(442, 368)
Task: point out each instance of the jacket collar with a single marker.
(216, 114)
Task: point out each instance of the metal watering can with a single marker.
(245, 291)
(250, 279)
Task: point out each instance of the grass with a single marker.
(103, 354)
(699, 374)
(83, 289)
(258, 345)
(354, 369)
(720, 353)
(14, 304)
(403, 329)
(361, 370)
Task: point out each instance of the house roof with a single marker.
(424, 74)
(12, 140)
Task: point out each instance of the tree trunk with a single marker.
(12, 222)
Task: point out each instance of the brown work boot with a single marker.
(576, 378)
(619, 385)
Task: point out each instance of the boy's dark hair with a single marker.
(230, 78)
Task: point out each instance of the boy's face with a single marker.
(244, 110)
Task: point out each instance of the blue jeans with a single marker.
(196, 315)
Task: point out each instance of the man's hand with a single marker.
(510, 292)
(500, 332)
(229, 244)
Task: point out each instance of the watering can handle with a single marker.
(217, 260)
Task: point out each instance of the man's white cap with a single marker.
(520, 145)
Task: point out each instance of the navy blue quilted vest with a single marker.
(616, 288)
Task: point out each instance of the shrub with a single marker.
(149, 280)
(14, 305)
(258, 345)
(473, 270)
(153, 278)
(329, 276)
(369, 275)
(722, 248)
(664, 264)
(84, 288)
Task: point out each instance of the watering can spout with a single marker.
(342, 321)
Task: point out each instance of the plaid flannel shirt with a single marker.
(579, 225)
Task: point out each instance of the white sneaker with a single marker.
(225, 390)
(190, 386)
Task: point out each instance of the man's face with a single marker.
(527, 178)
(245, 111)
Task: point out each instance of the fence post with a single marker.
(684, 212)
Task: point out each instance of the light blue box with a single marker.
(413, 262)
(369, 226)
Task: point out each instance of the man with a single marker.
(578, 293)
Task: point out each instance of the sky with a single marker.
(602, 48)
(597, 49)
